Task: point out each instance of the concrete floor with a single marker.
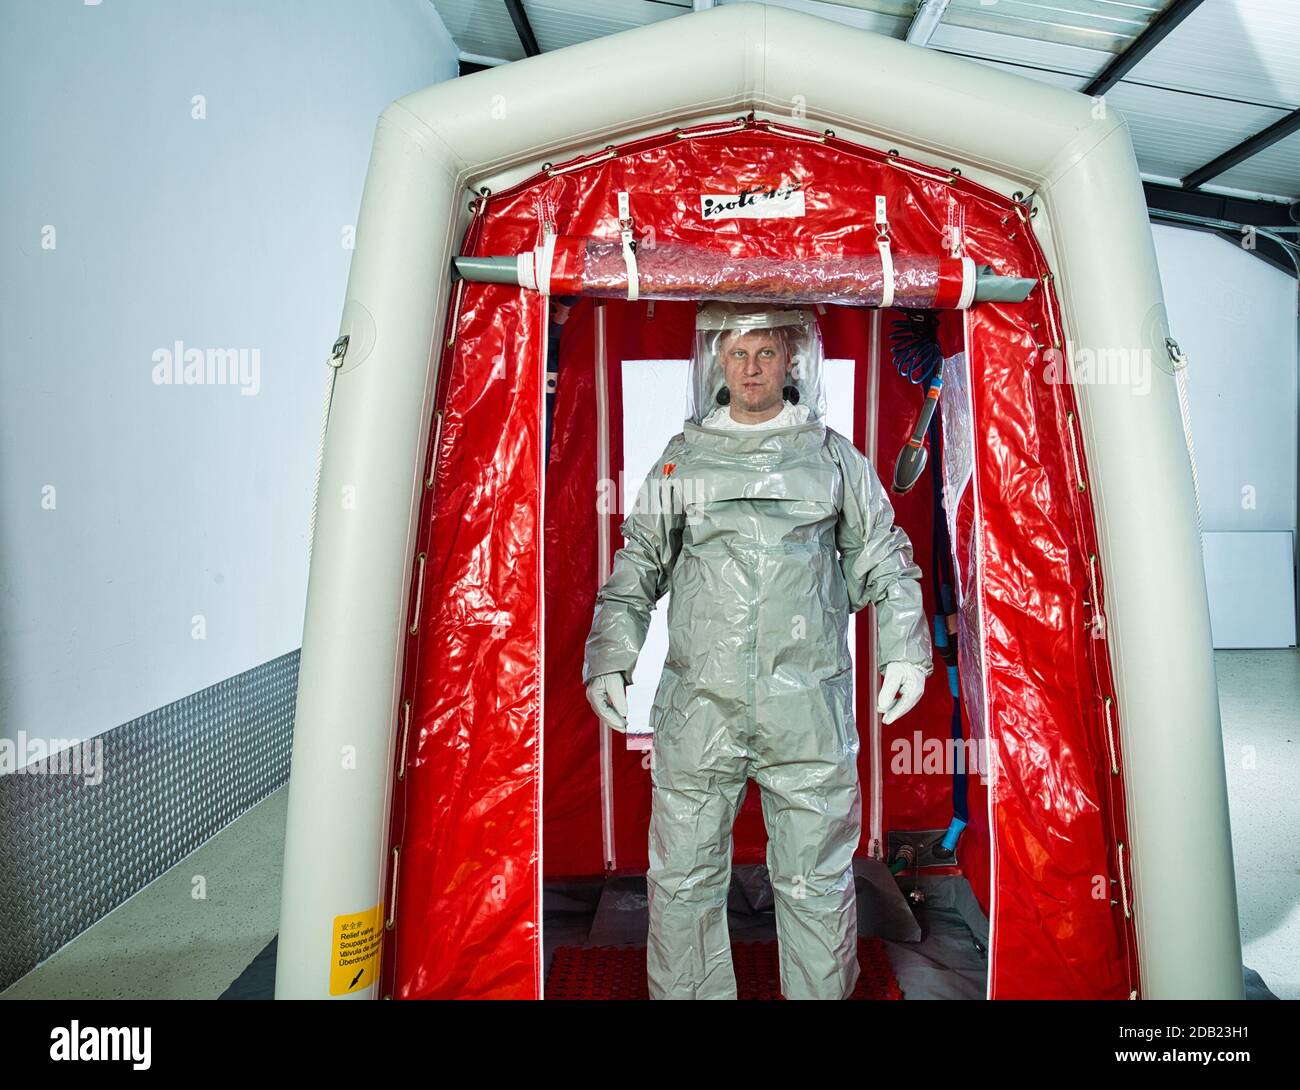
(164, 944)
(1259, 697)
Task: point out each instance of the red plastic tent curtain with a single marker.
(498, 762)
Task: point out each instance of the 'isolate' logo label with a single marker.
(755, 203)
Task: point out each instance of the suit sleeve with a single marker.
(876, 559)
(640, 576)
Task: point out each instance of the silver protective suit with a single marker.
(767, 540)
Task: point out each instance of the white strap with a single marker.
(629, 250)
(545, 258)
(526, 267)
(886, 258)
(956, 226)
(967, 284)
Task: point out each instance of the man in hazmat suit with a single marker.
(769, 529)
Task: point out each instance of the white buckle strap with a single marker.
(886, 258)
(526, 266)
(629, 246)
(545, 259)
(534, 266)
(967, 284)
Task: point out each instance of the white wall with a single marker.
(1235, 317)
(227, 231)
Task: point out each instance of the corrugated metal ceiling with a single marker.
(1228, 70)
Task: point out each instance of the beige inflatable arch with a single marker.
(434, 149)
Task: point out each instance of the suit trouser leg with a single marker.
(694, 803)
(813, 813)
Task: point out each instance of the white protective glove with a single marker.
(904, 683)
(607, 696)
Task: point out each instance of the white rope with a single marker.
(800, 134)
(414, 627)
(1074, 452)
(1110, 739)
(1123, 885)
(1051, 310)
(590, 161)
(335, 361)
(392, 890)
(893, 161)
(736, 127)
(406, 733)
(1179, 360)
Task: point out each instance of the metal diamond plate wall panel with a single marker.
(77, 843)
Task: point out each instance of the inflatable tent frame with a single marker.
(436, 150)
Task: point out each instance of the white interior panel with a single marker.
(1252, 599)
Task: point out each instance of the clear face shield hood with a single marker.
(758, 357)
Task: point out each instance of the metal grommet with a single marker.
(1017, 196)
(830, 134)
(955, 170)
(548, 166)
(893, 152)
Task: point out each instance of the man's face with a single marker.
(755, 366)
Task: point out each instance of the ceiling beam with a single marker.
(1221, 206)
(482, 61)
(1225, 208)
(1253, 145)
(1154, 34)
(523, 27)
(926, 20)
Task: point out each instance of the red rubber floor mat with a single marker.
(618, 972)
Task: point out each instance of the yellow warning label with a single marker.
(354, 961)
